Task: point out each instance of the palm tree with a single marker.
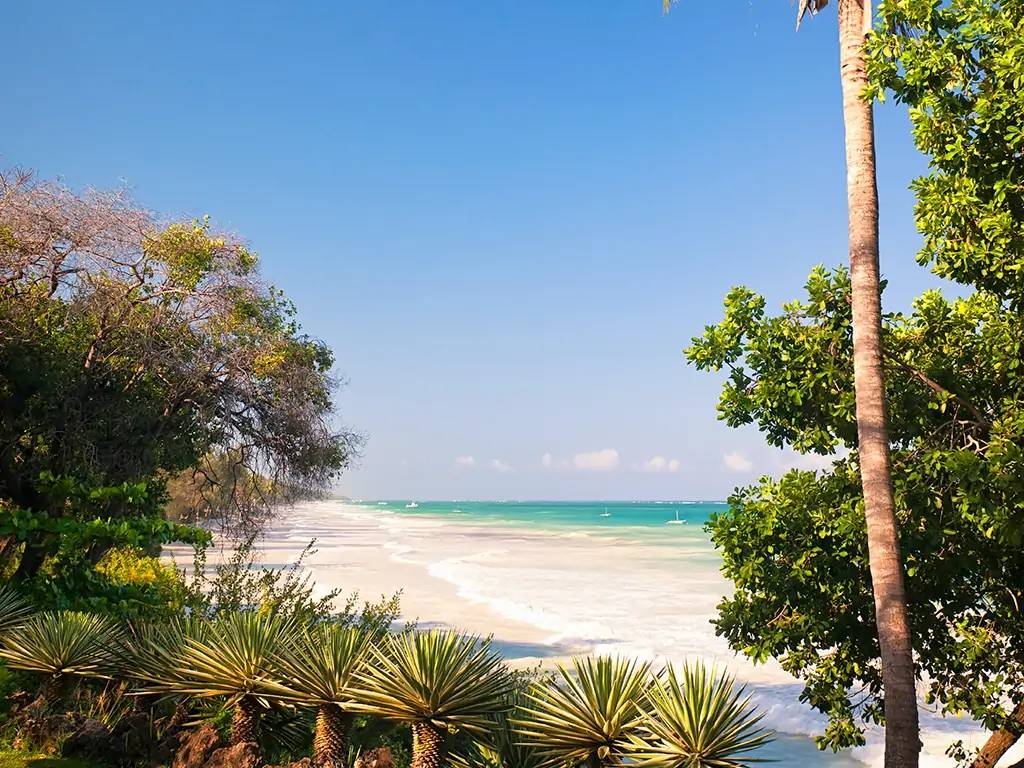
(320, 667)
(585, 716)
(234, 658)
(439, 682)
(62, 645)
(902, 741)
(699, 721)
(14, 608)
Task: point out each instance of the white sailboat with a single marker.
(606, 513)
(677, 521)
(411, 505)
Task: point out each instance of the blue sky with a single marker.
(507, 218)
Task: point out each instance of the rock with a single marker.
(196, 747)
(92, 740)
(44, 733)
(380, 757)
(243, 755)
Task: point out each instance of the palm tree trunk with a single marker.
(330, 740)
(902, 743)
(245, 721)
(1000, 742)
(428, 746)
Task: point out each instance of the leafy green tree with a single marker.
(440, 683)
(136, 350)
(795, 547)
(586, 715)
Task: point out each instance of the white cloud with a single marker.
(501, 466)
(547, 461)
(464, 461)
(736, 462)
(604, 460)
(659, 465)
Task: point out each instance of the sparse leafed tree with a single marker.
(133, 350)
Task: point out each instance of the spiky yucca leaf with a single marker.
(439, 677)
(14, 609)
(154, 654)
(699, 719)
(500, 746)
(63, 643)
(586, 714)
(235, 656)
(321, 665)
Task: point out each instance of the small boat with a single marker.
(411, 505)
(677, 521)
(606, 513)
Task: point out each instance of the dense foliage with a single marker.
(795, 547)
(461, 703)
(135, 353)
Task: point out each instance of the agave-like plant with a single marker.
(321, 667)
(153, 657)
(63, 645)
(439, 682)
(234, 658)
(699, 719)
(500, 747)
(14, 608)
(585, 715)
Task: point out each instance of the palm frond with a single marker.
(437, 677)
(321, 665)
(14, 608)
(64, 643)
(587, 712)
(154, 654)
(699, 719)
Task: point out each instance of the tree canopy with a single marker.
(795, 547)
(136, 351)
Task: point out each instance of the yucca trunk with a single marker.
(330, 740)
(51, 692)
(245, 721)
(902, 743)
(428, 746)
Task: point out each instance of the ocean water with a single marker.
(557, 578)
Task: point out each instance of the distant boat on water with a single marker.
(606, 513)
(411, 505)
(677, 521)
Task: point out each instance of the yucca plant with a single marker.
(14, 608)
(234, 658)
(500, 747)
(585, 715)
(698, 719)
(62, 645)
(153, 657)
(439, 682)
(320, 667)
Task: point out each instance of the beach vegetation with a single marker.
(440, 683)
(586, 714)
